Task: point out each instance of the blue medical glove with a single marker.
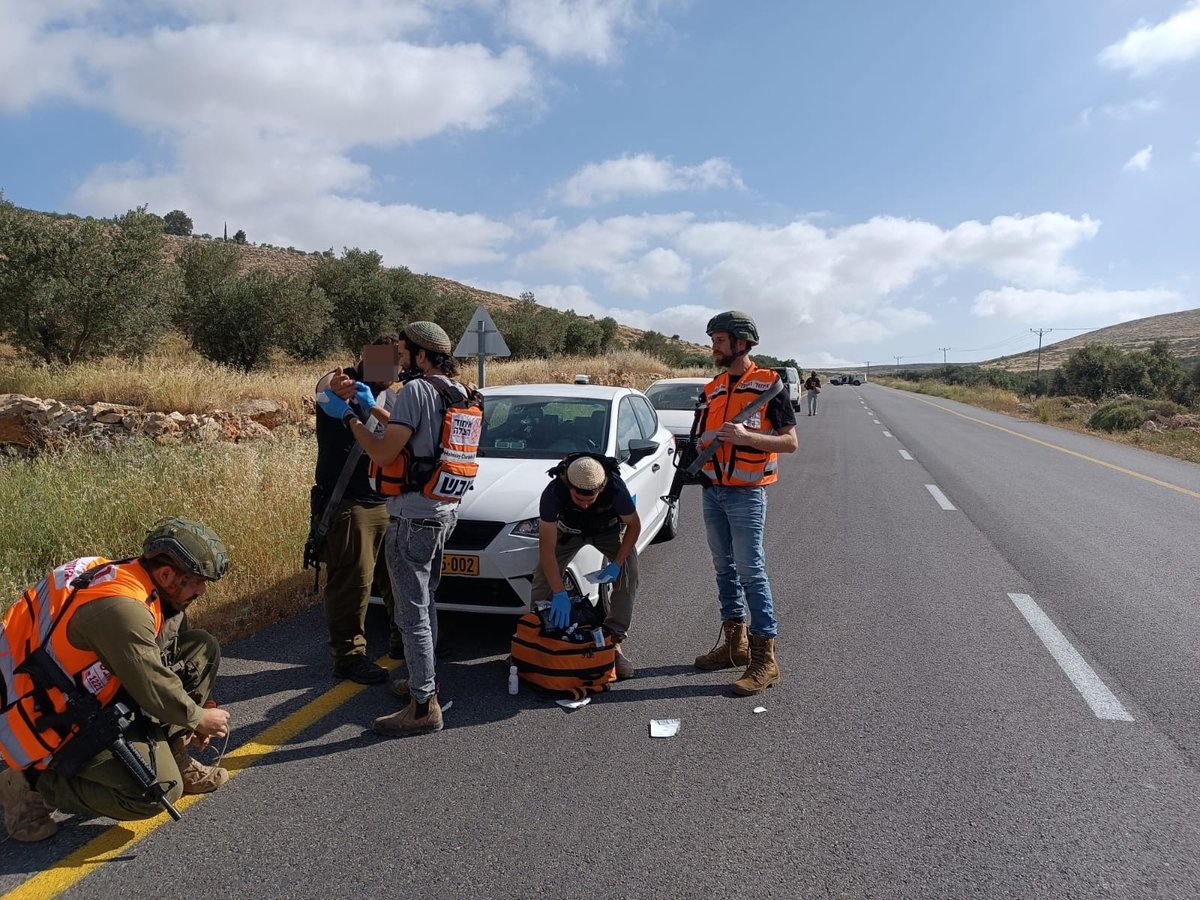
(332, 405)
(609, 574)
(560, 610)
(363, 395)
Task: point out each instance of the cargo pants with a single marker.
(103, 786)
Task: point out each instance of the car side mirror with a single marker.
(639, 449)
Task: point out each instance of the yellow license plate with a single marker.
(460, 564)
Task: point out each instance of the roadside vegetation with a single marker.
(1147, 398)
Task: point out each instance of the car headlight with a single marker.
(527, 529)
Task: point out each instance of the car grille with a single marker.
(470, 534)
(478, 592)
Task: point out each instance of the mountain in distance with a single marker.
(1180, 329)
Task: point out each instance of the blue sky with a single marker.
(868, 179)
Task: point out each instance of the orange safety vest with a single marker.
(40, 619)
(447, 476)
(731, 465)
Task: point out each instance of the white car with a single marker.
(491, 555)
(675, 401)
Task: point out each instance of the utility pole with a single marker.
(897, 358)
(1039, 332)
(868, 370)
(944, 349)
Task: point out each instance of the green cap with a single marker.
(737, 323)
(191, 546)
(429, 335)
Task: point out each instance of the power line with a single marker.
(1039, 332)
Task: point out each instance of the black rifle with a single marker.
(689, 461)
(100, 728)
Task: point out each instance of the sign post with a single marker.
(481, 339)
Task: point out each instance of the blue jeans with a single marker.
(734, 518)
(812, 403)
(414, 558)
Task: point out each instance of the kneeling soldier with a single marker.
(87, 640)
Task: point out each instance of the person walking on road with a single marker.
(425, 463)
(735, 499)
(813, 387)
(587, 502)
(88, 637)
(352, 550)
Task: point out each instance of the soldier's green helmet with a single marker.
(737, 323)
(190, 546)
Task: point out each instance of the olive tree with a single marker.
(73, 289)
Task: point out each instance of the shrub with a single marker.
(1119, 415)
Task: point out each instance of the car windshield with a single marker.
(524, 427)
(673, 396)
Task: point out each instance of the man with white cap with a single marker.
(587, 502)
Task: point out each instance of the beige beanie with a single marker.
(585, 473)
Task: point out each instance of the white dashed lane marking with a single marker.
(1095, 692)
(942, 500)
(886, 433)
(904, 454)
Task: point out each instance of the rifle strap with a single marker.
(759, 402)
(339, 488)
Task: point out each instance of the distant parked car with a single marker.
(675, 401)
(791, 384)
(836, 379)
(856, 380)
(491, 555)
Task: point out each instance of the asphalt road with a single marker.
(925, 740)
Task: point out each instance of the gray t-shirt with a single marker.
(420, 407)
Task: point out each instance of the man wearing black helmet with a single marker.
(407, 458)
(735, 498)
(99, 623)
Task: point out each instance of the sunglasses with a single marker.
(584, 492)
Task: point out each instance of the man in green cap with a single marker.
(88, 636)
(425, 478)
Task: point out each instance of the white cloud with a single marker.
(1083, 308)
(1150, 47)
(1122, 112)
(1140, 161)
(659, 271)
(585, 29)
(1025, 249)
(1196, 153)
(559, 296)
(600, 245)
(642, 175)
(810, 283)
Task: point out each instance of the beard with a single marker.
(723, 361)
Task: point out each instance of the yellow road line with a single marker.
(117, 840)
(1091, 459)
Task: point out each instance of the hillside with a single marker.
(1181, 329)
(282, 261)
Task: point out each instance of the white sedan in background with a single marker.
(674, 399)
(491, 556)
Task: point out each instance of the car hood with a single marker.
(677, 421)
(506, 490)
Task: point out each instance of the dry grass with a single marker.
(79, 501)
(82, 502)
(1063, 412)
(176, 378)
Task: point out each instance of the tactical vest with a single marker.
(722, 399)
(448, 474)
(40, 620)
(601, 515)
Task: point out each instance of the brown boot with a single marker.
(197, 777)
(735, 651)
(762, 672)
(407, 723)
(26, 815)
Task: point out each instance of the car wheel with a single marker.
(670, 525)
